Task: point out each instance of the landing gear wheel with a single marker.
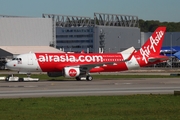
(21, 80)
(78, 78)
(89, 78)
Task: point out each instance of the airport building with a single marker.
(103, 33)
(20, 35)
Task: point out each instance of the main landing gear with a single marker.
(88, 78)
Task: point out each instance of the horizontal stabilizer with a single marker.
(159, 58)
(130, 56)
(127, 51)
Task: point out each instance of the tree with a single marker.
(151, 25)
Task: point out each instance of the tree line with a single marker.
(151, 25)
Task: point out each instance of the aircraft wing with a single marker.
(88, 67)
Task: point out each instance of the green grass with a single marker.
(104, 77)
(133, 107)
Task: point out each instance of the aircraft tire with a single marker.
(78, 78)
(21, 79)
(89, 78)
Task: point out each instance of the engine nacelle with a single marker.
(54, 74)
(71, 72)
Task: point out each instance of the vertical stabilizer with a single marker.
(153, 45)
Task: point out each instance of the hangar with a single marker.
(13, 51)
(20, 35)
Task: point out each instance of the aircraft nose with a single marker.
(7, 65)
(10, 65)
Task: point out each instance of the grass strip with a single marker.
(132, 107)
(104, 77)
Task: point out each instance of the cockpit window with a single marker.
(19, 59)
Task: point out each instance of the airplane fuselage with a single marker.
(54, 62)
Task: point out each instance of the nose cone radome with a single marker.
(10, 65)
(7, 65)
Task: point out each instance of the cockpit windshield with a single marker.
(19, 59)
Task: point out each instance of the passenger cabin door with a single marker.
(30, 59)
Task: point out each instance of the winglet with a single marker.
(158, 58)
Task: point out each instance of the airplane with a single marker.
(80, 65)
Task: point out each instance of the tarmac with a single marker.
(129, 86)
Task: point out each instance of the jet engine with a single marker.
(68, 72)
(71, 72)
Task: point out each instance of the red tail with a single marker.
(153, 45)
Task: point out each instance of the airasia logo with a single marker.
(72, 72)
(70, 58)
(146, 51)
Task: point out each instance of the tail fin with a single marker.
(153, 45)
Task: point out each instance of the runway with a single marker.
(87, 88)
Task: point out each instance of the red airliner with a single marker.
(80, 65)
